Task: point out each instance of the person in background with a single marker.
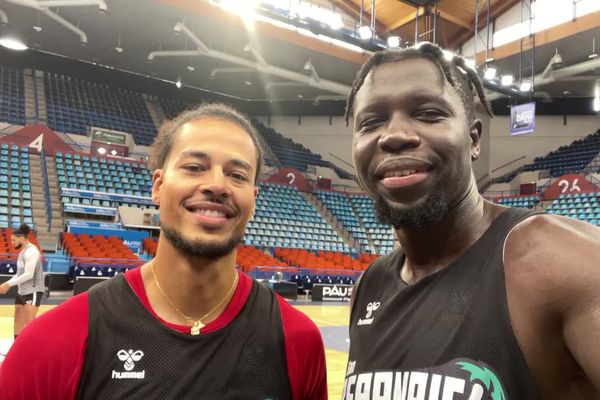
(29, 279)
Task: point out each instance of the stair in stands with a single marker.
(46, 239)
(156, 113)
(41, 97)
(30, 97)
(332, 221)
(362, 225)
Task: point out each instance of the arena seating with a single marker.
(321, 260)
(74, 105)
(15, 186)
(341, 208)
(171, 107)
(583, 206)
(284, 218)
(568, 159)
(150, 245)
(98, 255)
(99, 174)
(381, 235)
(519, 201)
(12, 97)
(8, 254)
(249, 257)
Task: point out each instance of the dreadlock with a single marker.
(456, 72)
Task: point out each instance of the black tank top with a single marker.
(447, 337)
(131, 355)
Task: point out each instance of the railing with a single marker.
(265, 272)
(35, 96)
(46, 189)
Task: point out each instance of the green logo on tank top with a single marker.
(486, 377)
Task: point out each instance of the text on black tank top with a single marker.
(447, 337)
(131, 355)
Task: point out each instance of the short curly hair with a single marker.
(168, 131)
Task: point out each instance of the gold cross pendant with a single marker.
(196, 328)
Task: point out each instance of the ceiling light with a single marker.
(249, 83)
(118, 47)
(13, 44)
(365, 32)
(393, 41)
(178, 83)
(308, 66)
(596, 104)
(10, 39)
(557, 61)
(300, 96)
(190, 68)
(506, 80)
(448, 55)
(37, 28)
(525, 86)
(490, 73)
(469, 62)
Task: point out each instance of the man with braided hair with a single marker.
(476, 304)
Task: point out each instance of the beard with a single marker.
(429, 212)
(201, 248)
(18, 246)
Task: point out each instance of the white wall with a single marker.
(550, 133)
(509, 18)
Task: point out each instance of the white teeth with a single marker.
(404, 172)
(210, 213)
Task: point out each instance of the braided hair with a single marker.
(460, 76)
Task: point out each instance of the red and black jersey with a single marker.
(53, 349)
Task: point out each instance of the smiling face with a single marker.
(413, 145)
(206, 189)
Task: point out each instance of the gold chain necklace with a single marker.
(196, 324)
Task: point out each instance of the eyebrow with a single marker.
(202, 156)
(408, 98)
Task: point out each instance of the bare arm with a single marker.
(553, 267)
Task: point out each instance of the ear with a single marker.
(475, 137)
(157, 181)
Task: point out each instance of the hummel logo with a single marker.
(129, 357)
(372, 306)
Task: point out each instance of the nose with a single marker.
(215, 184)
(399, 135)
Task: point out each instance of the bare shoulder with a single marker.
(558, 254)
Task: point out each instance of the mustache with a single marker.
(220, 200)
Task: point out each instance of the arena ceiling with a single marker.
(233, 47)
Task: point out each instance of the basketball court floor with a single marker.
(331, 319)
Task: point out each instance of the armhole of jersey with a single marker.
(511, 231)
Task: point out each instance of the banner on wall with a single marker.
(131, 239)
(522, 119)
(108, 136)
(78, 209)
(92, 224)
(120, 198)
(328, 292)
